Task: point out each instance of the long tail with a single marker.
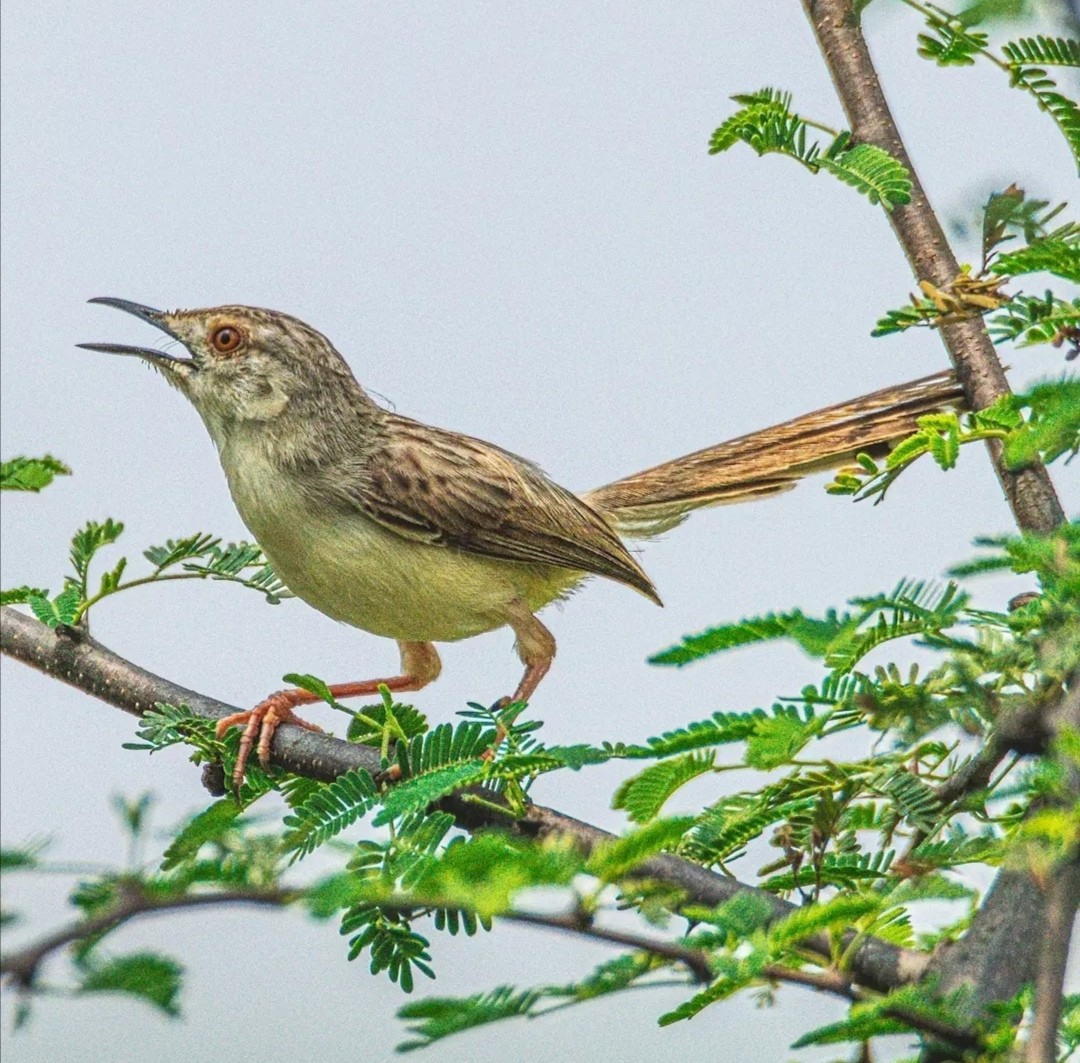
(772, 460)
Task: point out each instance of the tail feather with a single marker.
(772, 460)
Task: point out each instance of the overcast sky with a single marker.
(505, 218)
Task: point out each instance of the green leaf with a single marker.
(328, 811)
(1026, 58)
(313, 685)
(209, 825)
(176, 550)
(1053, 426)
(839, 913)
(61, 611)
(1058, 253)
(1029, 320)
(728, 826)
(768, 125)
(395, 947)
(922, 312)
(950, 43)
(146, 975)
(720, 729)
(25, 858)
(776, 739)
(1044, 51)
(30, 474)
(434, 1018)
(731, 975)
(644, 794)
(22, 595)
(87, 542)
(871, 171)
(368, 724)
(486, 872)
(813, 635)
(417, 793)
(612, 860)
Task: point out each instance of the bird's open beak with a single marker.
(155, 318)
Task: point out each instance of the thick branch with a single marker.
(1062, 901)
(1029, 491)
(85, 664)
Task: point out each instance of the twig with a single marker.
(696, 960)
(21, 967)
(80, 661)
(835, 983)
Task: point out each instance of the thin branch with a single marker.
(21, 967)
(1030, 493)
(696, 960)
(835, 983)
(78, 660)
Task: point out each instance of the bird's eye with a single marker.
(225, 339)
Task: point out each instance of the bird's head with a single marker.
(242, 365)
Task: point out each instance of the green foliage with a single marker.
(814, 635)
(395, 948)
(22, 595)
(1057, 253)
(835, 827)
(210, 825)
(615, 859)
(146, 976)
(854, 836)
(197, 556)
(952, 41)
(1027, 60)
(1040, 424)
(950, 44)
(1023, 319)
(437, 1017)
(329, 810)
(30, 474)
(644, 794)
(767, 124)
(1029, 320)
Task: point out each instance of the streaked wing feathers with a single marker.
(446, 489)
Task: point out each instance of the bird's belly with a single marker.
(358, 572)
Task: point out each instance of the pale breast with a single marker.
(358, 572)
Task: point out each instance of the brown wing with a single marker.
(451, 490)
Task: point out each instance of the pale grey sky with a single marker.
(505, 217)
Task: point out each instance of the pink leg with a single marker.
(420, 665)
(536, 648)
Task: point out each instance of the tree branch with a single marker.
(696, 960)
(1030, 493)
(22, 967)
(78, 660)
(997, 955)
(1062, 901)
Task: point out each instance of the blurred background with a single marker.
(505, 217)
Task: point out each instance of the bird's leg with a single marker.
(420, 665)
(536, 648)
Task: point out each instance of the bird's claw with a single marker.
(260, 724)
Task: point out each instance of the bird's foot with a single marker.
(260, 724)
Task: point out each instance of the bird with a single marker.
(425, 535)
